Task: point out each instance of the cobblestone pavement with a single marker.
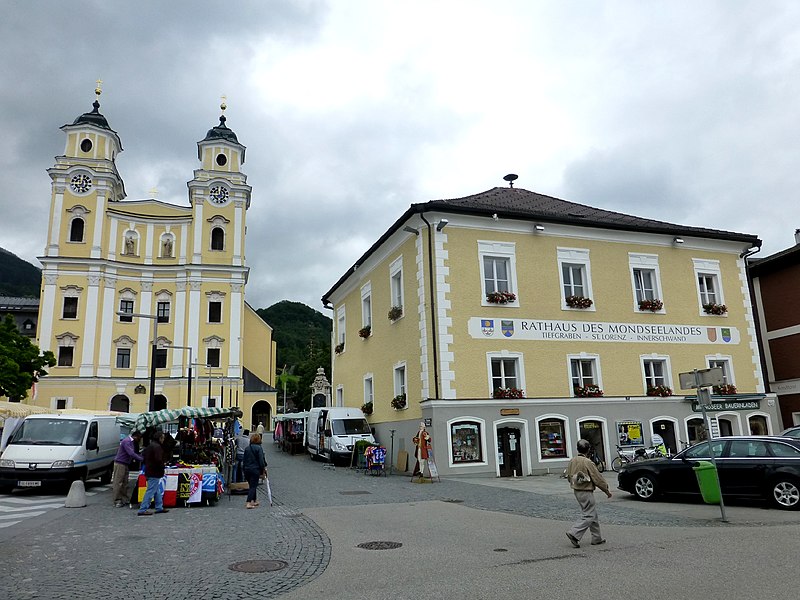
(101, 552)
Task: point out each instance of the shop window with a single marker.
(466, 446)
(123, 358)
(76, 229)
(65, 356)
(552, 439)
(70, 310)
(758, 425)
(696, 430)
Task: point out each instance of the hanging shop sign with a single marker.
(599, 331)
(507, 412)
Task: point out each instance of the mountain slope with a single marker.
(18, 277)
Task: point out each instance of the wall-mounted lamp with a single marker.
(538, 227)
(441, 224)
(677, 240)
(410, 229)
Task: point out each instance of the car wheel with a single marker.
(785, 494)
(645, 487)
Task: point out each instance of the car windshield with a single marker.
(701, 450)
(350, 426)
(50, 432)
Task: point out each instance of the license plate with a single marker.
(29, 483)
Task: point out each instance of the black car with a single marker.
(749, 467)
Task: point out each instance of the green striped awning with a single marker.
(158, 417)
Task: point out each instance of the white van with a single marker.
(331, 432)
(49, 449)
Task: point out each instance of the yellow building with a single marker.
(119, 274)
(521, 323)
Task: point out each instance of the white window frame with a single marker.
(726, 361)
(400, 378)
(707, 268)
(396, 295)
(369, 389)
(652, 358)
(505, 355)
(215, 296)
(596, 371)
(575, 257)
(340, 395)
(366, 305)
(504, 251)
(341, 326)
(645, 262)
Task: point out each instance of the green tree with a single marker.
(20, 361)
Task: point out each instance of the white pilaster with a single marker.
(99, 216)
(105, 355)
(235, 331)
(55, 226)
(143, 348)
(47, 310)
(90, 327)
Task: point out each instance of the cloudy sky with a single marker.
(351, 110)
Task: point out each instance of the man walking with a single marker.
(242, 442)
(584, 477)
(122, 464)
(153, 470)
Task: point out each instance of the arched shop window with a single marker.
(696, 430)
(552, 438)
(758, 425)
(466, 442)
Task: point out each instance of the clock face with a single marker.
(218, 194)
(80, 184)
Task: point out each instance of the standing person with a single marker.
(255, 466)
(260, 429)
(584, 477)
(122, 465)
(153, 470)
(422, 450)
(242, 442)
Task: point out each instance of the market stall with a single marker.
(201, 450)
(11, 414)
(290, 432)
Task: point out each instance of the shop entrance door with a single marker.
(509, 451)
(592, 432)
(666, 429)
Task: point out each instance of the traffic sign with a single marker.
(699, 378)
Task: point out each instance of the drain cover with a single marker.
(501, 549)
(452, 500)
(354, 493)
(379, 545)
(258, 566)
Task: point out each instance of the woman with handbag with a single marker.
(255, 467)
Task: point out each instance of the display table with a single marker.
(186, 485)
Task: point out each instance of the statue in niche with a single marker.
(130, 244)
(166, 247)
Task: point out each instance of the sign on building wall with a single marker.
(629, 433)
(599, 331)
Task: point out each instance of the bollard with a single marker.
(76, 498)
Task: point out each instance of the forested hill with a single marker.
(303, 337)
(18, 277)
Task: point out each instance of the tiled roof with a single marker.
(520, 203)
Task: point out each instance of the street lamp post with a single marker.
(189, 381)
(153, 351)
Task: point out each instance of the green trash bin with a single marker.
(706, 474)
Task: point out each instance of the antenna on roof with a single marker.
(510, 178)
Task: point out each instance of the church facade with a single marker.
(143, 302)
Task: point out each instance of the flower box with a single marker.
(715, 309)
(659, 390)
(724, 389)
(367, 408)
(501, 297)
(508, 393)
(589, 391)
(365, 332)
(399, 402)
(395, 313)
(578, 302)
(339, 348)
(651, 305)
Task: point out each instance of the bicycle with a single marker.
(622, 458)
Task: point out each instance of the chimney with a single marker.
(797, 236)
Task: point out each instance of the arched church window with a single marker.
(76, 228)
(218, 238)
